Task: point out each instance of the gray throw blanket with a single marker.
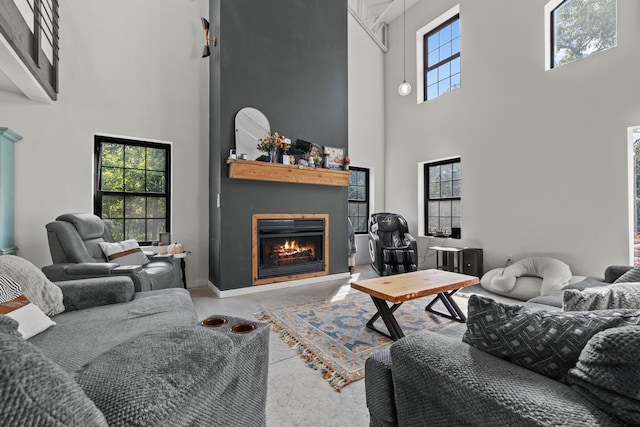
(608, 373)
(164, 377)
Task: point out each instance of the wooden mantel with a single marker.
(263, 171)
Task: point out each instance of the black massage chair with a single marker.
(392, 249)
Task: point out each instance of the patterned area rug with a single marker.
(331, 336)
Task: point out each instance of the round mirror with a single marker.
(251, 125)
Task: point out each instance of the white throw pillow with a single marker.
(126, 252)
(14, 304)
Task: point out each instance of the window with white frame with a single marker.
(438, 56)
(359, 199)
(442, 187)
(132, 187)
(579, 28)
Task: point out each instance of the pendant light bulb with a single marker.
(404, 89)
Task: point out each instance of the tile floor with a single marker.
(297, 395)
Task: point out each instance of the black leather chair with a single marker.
(392, 249)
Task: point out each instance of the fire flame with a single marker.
(291, 247)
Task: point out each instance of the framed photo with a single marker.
(334, 157)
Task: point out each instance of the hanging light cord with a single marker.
(404, 40)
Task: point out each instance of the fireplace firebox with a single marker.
(289, 247)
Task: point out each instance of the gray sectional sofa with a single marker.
(116, 357)
(436, 379)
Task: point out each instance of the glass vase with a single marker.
(273, 156)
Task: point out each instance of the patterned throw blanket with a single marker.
(619, 295)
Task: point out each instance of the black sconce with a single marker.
(205, 27)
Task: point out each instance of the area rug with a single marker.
(331, 335)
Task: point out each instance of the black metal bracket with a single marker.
(386, 313)
(455, 312)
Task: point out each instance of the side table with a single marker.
(182, 256)
(448, 258)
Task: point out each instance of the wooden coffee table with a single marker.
(405, 287)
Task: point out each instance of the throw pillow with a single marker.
(14, 304)
(126, 252)
(621, 295)
(608, 372)
(35, 285)
(632, 275)
(36, 391)
(546, 342)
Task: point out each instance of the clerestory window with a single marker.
(579, 28)
(439, 56)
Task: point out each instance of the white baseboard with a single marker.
(199, 283)
(274, 286)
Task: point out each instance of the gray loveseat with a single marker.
(435, 379)
(122, 358)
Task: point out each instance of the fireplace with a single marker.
(287, 247)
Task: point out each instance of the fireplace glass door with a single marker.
(289, 247)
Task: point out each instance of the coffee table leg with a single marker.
(386, 313)
(455, 313)
(376, 316)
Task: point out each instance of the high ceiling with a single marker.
(388, 9)
(374, 14)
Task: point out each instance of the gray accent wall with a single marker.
(287, 58)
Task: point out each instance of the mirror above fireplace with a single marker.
(251, 125)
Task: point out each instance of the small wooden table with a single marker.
(405, 287)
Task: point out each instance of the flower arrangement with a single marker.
(272, 142)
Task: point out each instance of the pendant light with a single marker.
(405, 88)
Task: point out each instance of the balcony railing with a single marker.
(30, 27)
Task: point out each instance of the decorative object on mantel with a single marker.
(205, 27)
(271, 143)
(335, 157)
(315, 154)
(347, 161)
(251, 124)
(8, 138)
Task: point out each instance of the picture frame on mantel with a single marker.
(334, 157)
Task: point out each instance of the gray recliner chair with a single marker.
(73, 243)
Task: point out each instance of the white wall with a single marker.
(366, 118)
(544, 153)
(130, 68)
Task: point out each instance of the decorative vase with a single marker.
(273, 155)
